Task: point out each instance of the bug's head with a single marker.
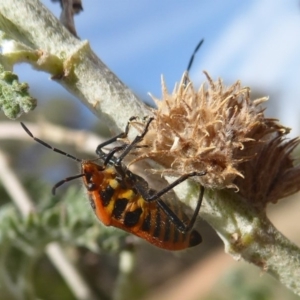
(94, 175)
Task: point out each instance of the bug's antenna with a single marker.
(186, 79)
(58, 184)
(49, 146)
(193, 56)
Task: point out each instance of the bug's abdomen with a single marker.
(117, 205)
(158, 229)
(128, 211)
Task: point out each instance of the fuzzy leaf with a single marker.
(14, 96)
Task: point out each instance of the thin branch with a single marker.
(69, 272)
(81, 140)
(14, 188)
(251, 236)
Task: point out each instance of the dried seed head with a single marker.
(221, 130)
(272, 174)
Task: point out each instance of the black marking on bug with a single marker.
(146, 226)
(132, 217)
(106, 195)
(119, 207)
(157, 224)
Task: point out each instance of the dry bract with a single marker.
(221, 130)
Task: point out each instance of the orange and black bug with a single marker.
(124, 200)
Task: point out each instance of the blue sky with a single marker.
(256, 41)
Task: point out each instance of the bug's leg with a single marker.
(124, 134)
(157, 195)
(110, 155)
(174, 218)
(168, 211)
(178, 223)
(191, 224)
(132, 145)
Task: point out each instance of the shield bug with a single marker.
(123, 199)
